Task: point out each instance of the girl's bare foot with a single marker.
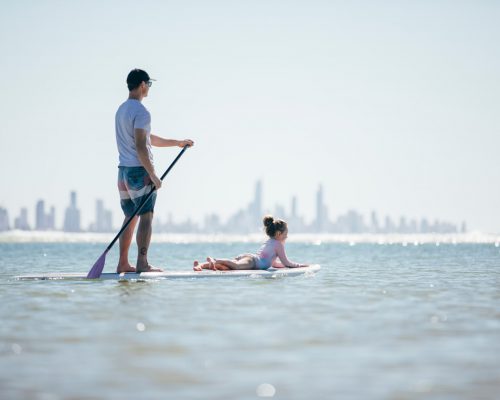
(211, 263)
(196, 266)
(124, 268)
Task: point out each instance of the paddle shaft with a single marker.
(144, 200)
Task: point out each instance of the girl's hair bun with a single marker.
(274, 225)
(268, 220)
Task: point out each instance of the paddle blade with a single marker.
(96, 271)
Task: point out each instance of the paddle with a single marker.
(96, 271)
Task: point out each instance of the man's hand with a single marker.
(186, 142)
(156, 181)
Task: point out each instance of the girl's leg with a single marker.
(213, 265)
(246, 262)
(210, 265)
(197, 266)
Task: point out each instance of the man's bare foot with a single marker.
(124, 268)
(196, 266)
(211, 263)
(148, 268)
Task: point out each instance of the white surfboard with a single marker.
(268, 273)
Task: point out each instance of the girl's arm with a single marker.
(285, 262)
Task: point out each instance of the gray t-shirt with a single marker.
(131, 115)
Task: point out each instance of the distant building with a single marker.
(21, 222)
(212, 223)
(295, 222)
(43, 221)
(351, 222)
(103, 218)
(389, 225)
(375, 226)
(4, 220)
(40, 218)
(321, 221)
(293, 210)
(257, 201)
(252, 219)
(413, 226)
(51, 219)
(403, 226)
(249, 220)
(170, 226)
(242, 222)
(279, 212)
(72, 216)
(424, 226)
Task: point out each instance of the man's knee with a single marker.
(148, 216)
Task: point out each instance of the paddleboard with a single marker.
(268, 273)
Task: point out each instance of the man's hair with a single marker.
(136, 77)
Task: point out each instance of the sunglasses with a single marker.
(149, 83)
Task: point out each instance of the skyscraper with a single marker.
(40, 218)
(375, 227)
(21, 222)
(4, 220)
(389, 226)
(51, 219)
(72, 216)
(103, 218)
(403, 226)
(250, 219)
(293, 213)
(44, 221)
(294, 220)
(321, 222)
(463, 228)
(257, 202)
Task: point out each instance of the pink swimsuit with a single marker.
(266, 256)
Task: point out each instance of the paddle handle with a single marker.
(145, 199)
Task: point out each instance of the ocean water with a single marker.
(377, 322)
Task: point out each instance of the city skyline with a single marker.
(393, 109)
(244, 220)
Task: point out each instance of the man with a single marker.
(136, 172)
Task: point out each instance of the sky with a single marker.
(392, 106)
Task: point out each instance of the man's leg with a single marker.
(125, 241)
(143, 239)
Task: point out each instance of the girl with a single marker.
(266, 257)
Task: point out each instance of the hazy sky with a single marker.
(392, 105)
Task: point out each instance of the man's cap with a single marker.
(136, 76)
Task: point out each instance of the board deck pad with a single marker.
(269, 273)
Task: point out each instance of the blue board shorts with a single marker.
(134, 184)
